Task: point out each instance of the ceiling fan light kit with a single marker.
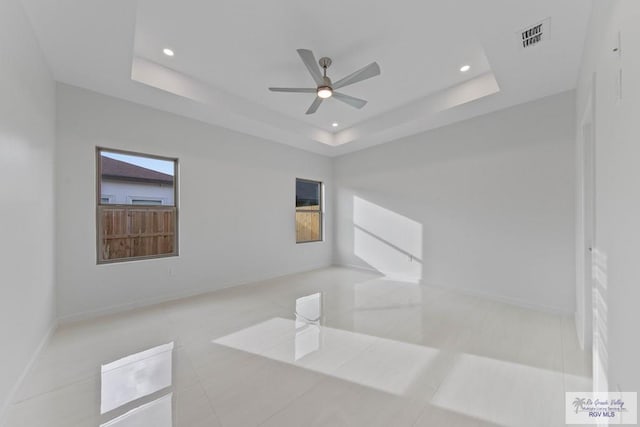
(325, 92)
(325, 88)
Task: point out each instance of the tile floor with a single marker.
(333, 347)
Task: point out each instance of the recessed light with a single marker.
(465, 68)
(334, 124)
(167, 51)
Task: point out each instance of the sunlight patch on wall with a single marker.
(387, 241)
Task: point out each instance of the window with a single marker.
(136, 206)
(308, 211)
(146, 202)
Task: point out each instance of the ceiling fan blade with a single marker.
(314, 106)
(310, 61)
(293, 89)
(354, 102)
(367, 72)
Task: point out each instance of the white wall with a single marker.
(27, 134)
(236, 205)
(617, 158)
(485, 206)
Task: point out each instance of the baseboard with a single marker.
(358, 267)
(472, 292)
(148, 302)
(504, 299)
(14, 390)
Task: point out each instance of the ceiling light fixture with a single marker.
(325, 92)
(334, 124)
(167, 51)
(465, 68)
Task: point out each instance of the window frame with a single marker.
(162, 200)
(100, 205)
(320, 209)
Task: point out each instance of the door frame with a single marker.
(586, 220)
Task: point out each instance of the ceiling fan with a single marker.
(326, 89)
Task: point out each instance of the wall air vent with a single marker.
(534, 35)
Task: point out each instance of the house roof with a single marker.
(118, 170)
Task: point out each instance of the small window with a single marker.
(308, 211)
(152, 202)
(140, 226)
(146, 201)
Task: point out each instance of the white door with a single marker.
(586, 230)
(593, 263)
(589, 228)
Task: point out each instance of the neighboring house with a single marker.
(128, 184)
(307, 193)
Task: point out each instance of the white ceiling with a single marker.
(229, 51)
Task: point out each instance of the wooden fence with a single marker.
(308, 225)
(136, 231)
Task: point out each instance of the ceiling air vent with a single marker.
(535, 34)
